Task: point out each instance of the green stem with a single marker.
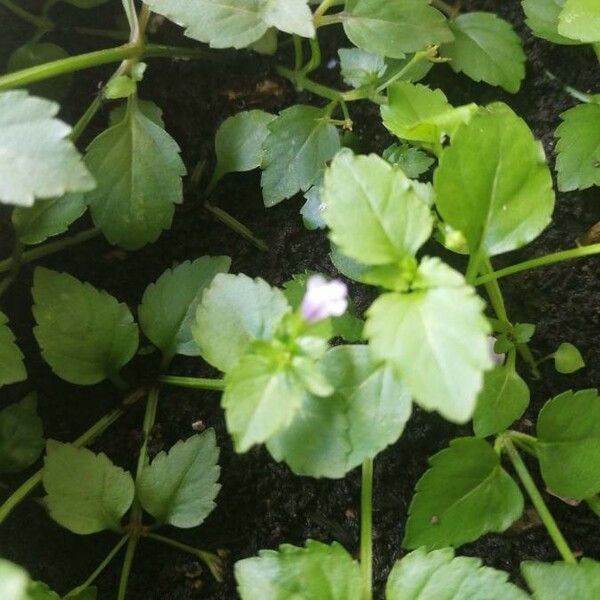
(315, 58)
(322, 9)
(149, 420)
(197, 383)
(17, 261)
(473, 266)
(524, 441)
(573, 92)
(127, 564)
(111, 34)
(366, 529)
(538, 501)
(594, 504)
(238, 227)
(39, 22)
(298, 54)
(417, 58)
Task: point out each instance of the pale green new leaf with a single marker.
(580, 20)
(12, 367)
(236, 310)
(568, 359)
(87, 493)
(299, 144)
(361, 68)
(486, 48)
(139, 170)
(169, 306)
(542, 17)
(413, 161)
(47, 218)
(394, 28)
(550, 581)
(464, 495)
(13, 581)
(578, 148)
(147, 108)
(568, 447)
(179, 487)
(509, 198)
(316, 572)
(85, 334)
(38, 160)
(291, 16)
(331, 436)
(439, 575)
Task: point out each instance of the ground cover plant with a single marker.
(325, 384)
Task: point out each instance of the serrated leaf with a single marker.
(169, 306)
(412, 161)
(38, 159)
(147, 108)
(580, 20)
(179, 487)
(578, 148)
(439, 575)
(464, 495)
(12, 367)
(486, 48)
(509, 199)
(85, 334)
(47, 218)
(563, 580)
(568, 446)
(568, 359)
(316, 572)
(394, 28)
(503, 399)
(13, 581)
(331, 436)
(299, 144)
(21, 435)
(312, 209)
(236, 310)
(542, 18)
(360, 68)
(435, 337)
(87, 493)
(139, 170)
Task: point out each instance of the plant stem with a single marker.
(198, 383)
(149, 420)
(16, 259)
(322, 9)
(28, 17)
(417, 58)
(594, 504)
(573, 92)
(366, 529)
(298, 54)
(238, 227)
(538, 501)
(314, 60)
(126, 570)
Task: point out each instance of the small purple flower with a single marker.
(497, 359)
(324, 299)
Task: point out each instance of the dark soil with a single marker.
(262, 504)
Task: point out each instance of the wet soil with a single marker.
(262, 504)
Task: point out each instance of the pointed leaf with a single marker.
(12, 367)
(580, 20)
(563, 580)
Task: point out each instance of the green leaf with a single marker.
(486, 48)
(440, 575)
(578, 148)
(12, 367)
(316, 572)
(266, 45)
(147, 108)
(13, 581)
(464, 495)
(568, 359)
(376, 214)
(360, 68)
(40, 591)
(312, 209)
(568, 447)
(542, 18)
(139, 170)
(235, 311)
(509, 199)
(394, 28)
(169, 306)
(121, 86)
(179, 487)
(239, 142)
(404, 71)
(563, 580)
(412, 161)
(87, 493)
(580, 20)
(47, 218)
(331, 436)
(38, 159)
(503, 399)
(299, 144)
(85, 334)
(21, 435)
(435, 337)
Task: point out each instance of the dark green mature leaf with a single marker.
(464, 495)
(330, 436)
(21, 435)
(578, 148)
(360, 68)
(509, 198)
(580, 20)
(12, 367)
(394, 28)
(87, 493)
(235, 311)
(316, 572)
(139, 170)
(169, 306)
(38, 159)
(179, 487)
(563, 580)
(299, 144)
(85, 334)
(503, 399)
(13, 581)
(568, 446)
(440, 575)
(542, 17)
(486, 48)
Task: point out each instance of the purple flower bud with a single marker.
(324, 299)
(497, 359)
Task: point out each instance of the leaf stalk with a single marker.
(366, 529)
